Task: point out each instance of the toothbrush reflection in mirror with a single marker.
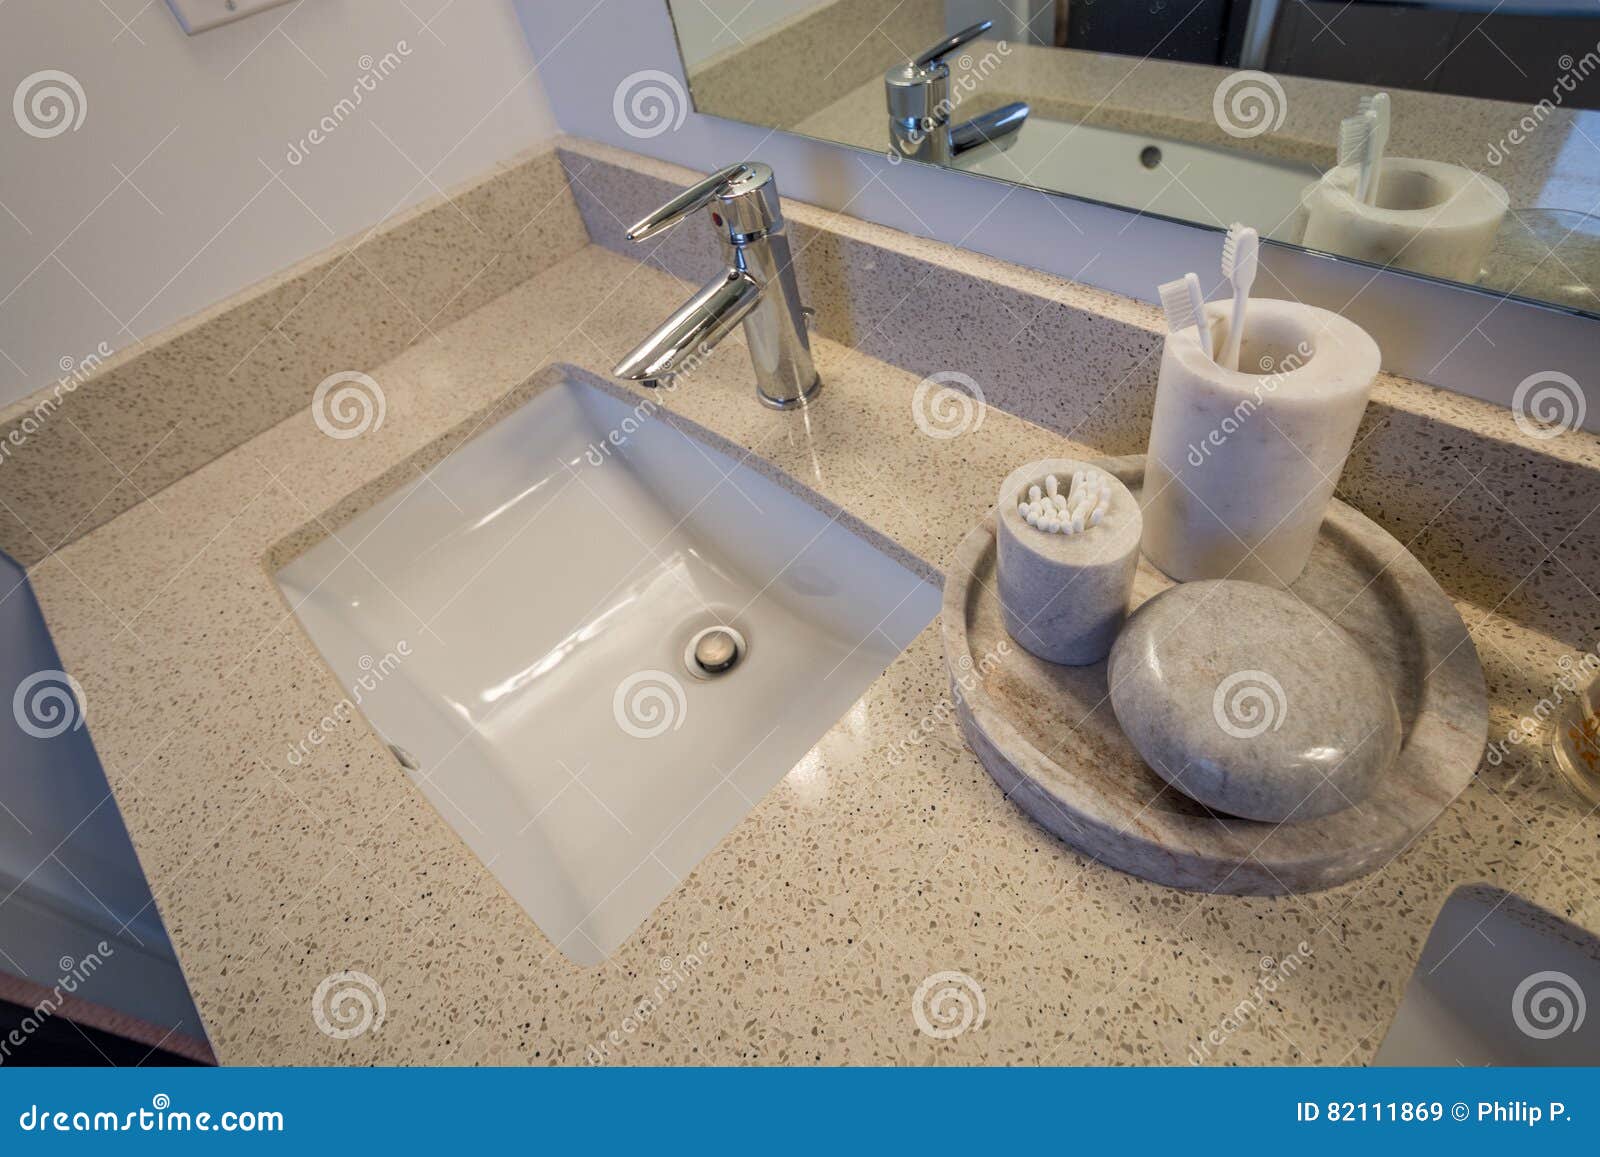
(1184, 305)
(1240, 253)
(1357, 135)
(1378, 105)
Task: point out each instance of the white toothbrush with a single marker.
(1378, 105)
(1184, 306)
(1240, 253)
(1357, 136)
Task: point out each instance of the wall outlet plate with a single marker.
(203, 15)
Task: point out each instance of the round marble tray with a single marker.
(1047, 735)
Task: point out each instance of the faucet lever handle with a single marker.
(696, 196)
(944, 47)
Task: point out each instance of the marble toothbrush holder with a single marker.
(1429, 217)
(1242, 462)
(1064, 594)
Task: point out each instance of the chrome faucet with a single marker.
(758, 288)
(918, 94)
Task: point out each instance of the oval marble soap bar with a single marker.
(1251, 702)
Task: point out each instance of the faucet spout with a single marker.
(990, 127)
(694, 329)
(758, 289)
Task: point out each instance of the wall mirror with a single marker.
(1452, 139)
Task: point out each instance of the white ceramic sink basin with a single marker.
(546, 590)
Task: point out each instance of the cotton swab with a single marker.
(1084, 504)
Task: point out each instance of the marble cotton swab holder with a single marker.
(1242, 462)
(1429, 217)
(1064, 592)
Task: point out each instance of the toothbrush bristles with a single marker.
(1184, 305)
(1239, 251)
(1354, 134)
(1175, 304)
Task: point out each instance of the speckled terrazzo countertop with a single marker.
(883, 858)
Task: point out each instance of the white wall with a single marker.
(177, 190)
(1462, 339)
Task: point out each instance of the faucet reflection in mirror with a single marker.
(757, 288)
(920, 103)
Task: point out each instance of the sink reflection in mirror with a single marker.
(1157, 175)
(552, 581)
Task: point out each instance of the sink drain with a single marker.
(713, 652)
